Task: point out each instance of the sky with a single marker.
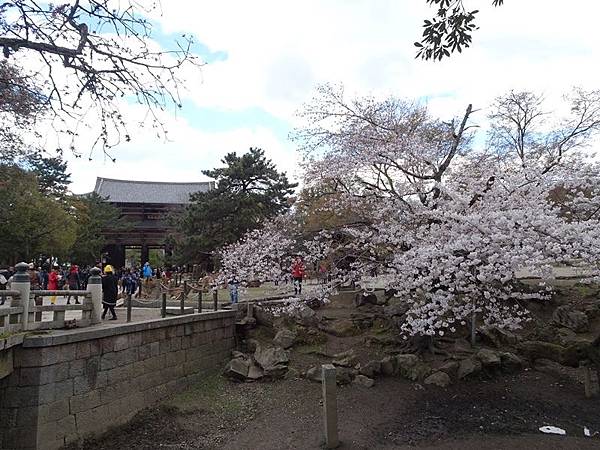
(264, 59)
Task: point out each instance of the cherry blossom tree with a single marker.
(445, 224)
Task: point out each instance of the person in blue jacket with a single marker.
(147, 271)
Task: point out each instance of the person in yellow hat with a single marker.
(109, 292)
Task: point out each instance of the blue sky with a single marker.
(265, 58)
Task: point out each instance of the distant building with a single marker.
(145, 206)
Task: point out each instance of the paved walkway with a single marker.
(137, 314)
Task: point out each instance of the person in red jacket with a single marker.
(53, 278)
(298, 274)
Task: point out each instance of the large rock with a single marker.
(450, 368)
(255, 372)
(285, 338)
(566, 336)
(592, 310)
(557, 370)
(511, 362)
(389, 366)
(263, 316)
(371, 369)
(411, 367)
(238, 368)
(243, 368)
(251, 345)
(341, 328)
(440, 379)
(273, 360)
(306, 316)
(489, 358)
(460, 346)
(575, 320)
(365, 298)
(344, 375)
(364, 381)
(292, 374)
(246, 323)
(497, 337)
(314, 374)
(345, 359)
(314, 303)
(541, 350)
(570, 355)
(468, 367)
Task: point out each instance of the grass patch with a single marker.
(8, 334)
(212, 395)
(586, 290)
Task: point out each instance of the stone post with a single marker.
(21, 283)
(590, 379)
(128, 308)
(95, 287)
(329, 406)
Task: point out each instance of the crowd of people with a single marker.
(126, 281)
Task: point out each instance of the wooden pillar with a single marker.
(145, 255)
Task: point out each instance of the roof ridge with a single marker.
(101, 179)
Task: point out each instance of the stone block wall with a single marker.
(73, 384)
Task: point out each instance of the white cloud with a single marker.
(182, 158)
(278, 50)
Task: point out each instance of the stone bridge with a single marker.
(62, 386)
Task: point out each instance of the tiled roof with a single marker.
(125, 191)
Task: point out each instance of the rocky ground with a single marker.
(496, 394)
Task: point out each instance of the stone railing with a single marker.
(23, 314)
(11, 317)
(58, 311)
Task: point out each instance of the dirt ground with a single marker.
(484, 413)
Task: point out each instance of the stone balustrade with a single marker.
(23, 309)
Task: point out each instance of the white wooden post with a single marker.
(95, 288)
(329, 406)
(21, 283)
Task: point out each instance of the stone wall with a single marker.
(75, 383)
